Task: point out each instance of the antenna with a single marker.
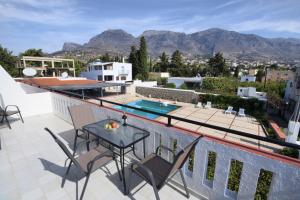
(29, 72)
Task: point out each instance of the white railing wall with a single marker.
(286, 177)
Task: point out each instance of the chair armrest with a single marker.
(146, 169)
(12, 106)
(165, 148)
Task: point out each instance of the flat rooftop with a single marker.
(211, 116)
(32, 166)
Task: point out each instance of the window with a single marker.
(123, 78)
(117, 78)
(98, 67)
(108, 67)
(108, 78)
(100, 78)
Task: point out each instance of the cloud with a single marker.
(229, 3)
(52, 12)
(292, 26)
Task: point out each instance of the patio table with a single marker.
(123, 138)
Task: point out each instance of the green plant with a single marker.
(235, 174)
(184, 86)
(253, 106)
(291, 152)
(211, 165)
(170, 85)
(263, 185)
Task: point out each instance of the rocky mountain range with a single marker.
(232, 44)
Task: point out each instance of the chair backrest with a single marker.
(63, 147)
(81, 115)
(208, 103)
(242, 110)
(183, 155)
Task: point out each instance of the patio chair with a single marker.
(207, 105)
(230, 110)
(5, 113)
(157, 171)
(241, 112)
(198, 105)
(81, 115)
(87, 162)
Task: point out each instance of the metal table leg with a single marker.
(123, 168)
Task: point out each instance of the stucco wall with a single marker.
(284, 184)
(188, 96)
(31, 100)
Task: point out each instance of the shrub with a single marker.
(291, 152)
(184, 86)
(170, 85)
(252, 106)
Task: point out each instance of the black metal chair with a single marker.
(5, 113)
(157, 171)
(87, 162)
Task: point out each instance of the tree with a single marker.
(260, 74)
(176, 59)
(133, 59)
(33, 52)
(164, 62)
(217, 65)
(143, 58)
(8, 61)
(106, 58)
(236, 71)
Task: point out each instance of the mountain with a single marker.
(207, 42)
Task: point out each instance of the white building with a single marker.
(248, 78)
(178, 81)
(109, 71)
(250, 92)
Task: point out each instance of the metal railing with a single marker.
(171, 117)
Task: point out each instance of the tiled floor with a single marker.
(212, 116)
(32, 166)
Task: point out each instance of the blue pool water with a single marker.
(148, 105)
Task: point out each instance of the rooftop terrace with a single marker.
(32, 164)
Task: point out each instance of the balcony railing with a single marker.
(285, 171)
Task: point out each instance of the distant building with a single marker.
(178, 81)
(48, 66)
(109, 71)
(250, 92)
(252, 72)
(248, 78)
(279, 75)
(156, 75)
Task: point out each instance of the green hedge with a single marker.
(225, 85)
(252, 106)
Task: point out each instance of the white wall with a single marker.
(248, 79)
(31, 100)
(116, 71)
(285, 180)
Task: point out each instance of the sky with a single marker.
(47, 24)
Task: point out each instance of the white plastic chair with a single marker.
(241, 112)
(208, 104)
(198, 105)
(229, 110)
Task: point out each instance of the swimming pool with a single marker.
(148, 105)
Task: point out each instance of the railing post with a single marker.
(169, 121)
(101, 103)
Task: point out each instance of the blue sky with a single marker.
(47, 24)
